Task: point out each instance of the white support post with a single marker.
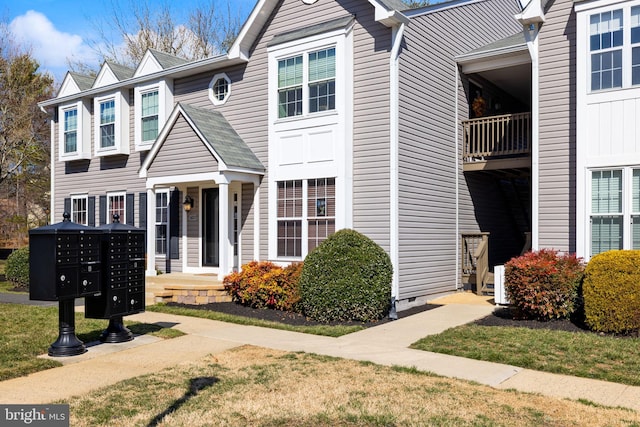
(151, 232)
(223, 221)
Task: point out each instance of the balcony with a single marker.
(497, 142)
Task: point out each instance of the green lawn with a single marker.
(28, 331)
(572, 353)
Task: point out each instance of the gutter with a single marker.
(394, 126)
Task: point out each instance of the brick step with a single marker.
(186, 288)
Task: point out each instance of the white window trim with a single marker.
(121, 125)
(123, 218)
(155, 223)
(339, 120)
(165, 104)
(84, 197)
(212, 96)
(82, 133)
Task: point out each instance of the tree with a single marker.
(206, 32)
(415, 4)
(24, 134)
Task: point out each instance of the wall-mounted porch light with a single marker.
(188, 203)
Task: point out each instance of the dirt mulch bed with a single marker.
(291, 318)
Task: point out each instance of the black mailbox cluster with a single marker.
(105, 265)
(124, 263)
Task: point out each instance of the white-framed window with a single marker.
(615, 209)
(309, 76)
(149, 115)
(219, 89)
(70, 129)
(111, 124)
(74, 132)
(614, 47)
(107, 123)
(116, 204)
(306, 213)
(79, 209)
(162, 218)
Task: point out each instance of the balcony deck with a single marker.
(497, 142)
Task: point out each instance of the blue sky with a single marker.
(55, 30)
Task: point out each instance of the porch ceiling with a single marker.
(515, 80)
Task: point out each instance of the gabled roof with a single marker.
(83, 81)
(166, 60)
(121, 72)
(387, 12)
(229, 149)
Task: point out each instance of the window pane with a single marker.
(290, 72)
(70, 120)
(79, 210)
(290, 238)
(107, 136)
(161, 239)
(606, 70)
(149, 128)
(107, 112)
(116, 206)
(70, 142)
(606, 234)
(606, 192)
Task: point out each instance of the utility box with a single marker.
(123, 273)
(64, 261)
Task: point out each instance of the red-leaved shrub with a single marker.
(543, 284)
(265, 285)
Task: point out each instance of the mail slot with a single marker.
(123, 273)
(64, 261)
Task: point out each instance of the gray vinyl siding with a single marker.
(428, 152)
(97, 176)
(246, 108)
(193, 230)
(182, 153)
(557, 198)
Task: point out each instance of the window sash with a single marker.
(107, 124)
(79, 212)
(71, 131)
(116, 205)
(220, 89)
(322, 65)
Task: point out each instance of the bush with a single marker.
(265, 285)
(347, 277)
(16, 270)
(543, 284)
(611, 292)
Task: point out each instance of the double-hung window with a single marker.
(79, 209)
(614, 48)
(306, 212)
(71, 130)
(116, 205)
(162, 215)
(307, 83)
(107, 123)
(150, 103)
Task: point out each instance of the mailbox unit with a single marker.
(123, 273)
(64, 261)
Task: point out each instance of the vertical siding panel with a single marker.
(557, 128)
(429, 153)
(247, 225)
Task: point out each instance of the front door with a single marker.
(210, 228)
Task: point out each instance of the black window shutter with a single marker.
(174, 224)
(142, 216)
(91, 211)
(129, 206)
(103, 210)
(67, 205)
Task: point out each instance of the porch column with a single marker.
(224, 243)
(151, 232)
(256, 220)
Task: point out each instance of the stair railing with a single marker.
(481, 255)
(475, 259)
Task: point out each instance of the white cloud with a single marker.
(49, 46)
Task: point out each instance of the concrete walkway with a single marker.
(106, 364)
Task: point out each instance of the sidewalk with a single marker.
(106, 364)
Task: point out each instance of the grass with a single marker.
(326, 330)
(578, 354)
(269, 388)
(27, 332)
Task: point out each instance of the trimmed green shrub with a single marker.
(265, 285)
(611, 292)
(16, 270)
(543, 285)
(347, 277)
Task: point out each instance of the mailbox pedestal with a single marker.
(123, 279)
(64, 264)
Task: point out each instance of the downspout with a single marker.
(52, 175)
(397, 33)
(531, 36)
(457, 152)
